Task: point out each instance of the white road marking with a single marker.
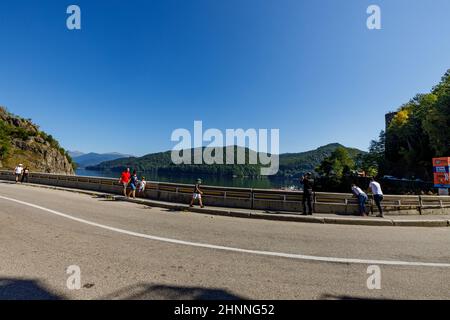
(210, 246)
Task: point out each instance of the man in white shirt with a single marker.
(362, 198)
(18, 172)
(375, 187)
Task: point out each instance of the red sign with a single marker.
(441, 172)
(441, 162)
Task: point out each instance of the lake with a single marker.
(259, 183)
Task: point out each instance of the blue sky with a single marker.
(140, 69)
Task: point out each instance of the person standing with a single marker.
(25, 173)
(124, 179)
(197, 194)
(375, 187)
(142, 185)
(133, 185)
(308, 183)
(362, 198)
(18, 172)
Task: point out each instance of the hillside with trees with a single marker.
(418, 132)
(291, 164)
(21, 141)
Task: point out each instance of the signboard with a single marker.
(441, 172)
(443, 192)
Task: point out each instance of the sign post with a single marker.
(441, 172)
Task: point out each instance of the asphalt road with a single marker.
(131, 251)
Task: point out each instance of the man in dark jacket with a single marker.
(308, 183)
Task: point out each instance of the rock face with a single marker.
(21, 141)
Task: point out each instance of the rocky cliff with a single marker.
(21, 141)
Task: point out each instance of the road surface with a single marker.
(130, 251)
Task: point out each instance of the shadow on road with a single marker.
(345, 297)
(25, 289)
(8, 182)
(144, 291)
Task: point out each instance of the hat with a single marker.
(199, 180)
(20, 165)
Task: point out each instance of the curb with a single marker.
(252, 215)
(425, 223)
(361, 222)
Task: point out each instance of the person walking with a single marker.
(375, 187)
(25, 173)
(308, 183)
(18, 172)
(133, 185)
(124, 179)
(362, 198)
(197, 194)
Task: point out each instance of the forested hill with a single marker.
(293, 164)
(21, 141)
(290, 163)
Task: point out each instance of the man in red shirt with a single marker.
(124, 179)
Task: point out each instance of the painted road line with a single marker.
(232, 249)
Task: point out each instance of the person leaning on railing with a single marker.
(362, 198)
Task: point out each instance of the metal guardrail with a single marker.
(283, 200)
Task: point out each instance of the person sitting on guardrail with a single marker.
(124, 179)
(197, 194)
(362, 198)
(142, 184)
(375, 187)
(18, 172)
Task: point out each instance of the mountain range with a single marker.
(91, 159)
(291, 164)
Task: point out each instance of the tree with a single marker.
(419, 132)
(338, 164)
(373, 162)
(437, 120)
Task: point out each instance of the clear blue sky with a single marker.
(140, 69)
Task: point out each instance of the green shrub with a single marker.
(20, 133)
(4, 149)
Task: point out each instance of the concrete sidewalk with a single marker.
(389, 220)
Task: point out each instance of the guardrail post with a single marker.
(420, 205)
(158, 193)
(252, 195)
(314, 201)
(371, 204)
